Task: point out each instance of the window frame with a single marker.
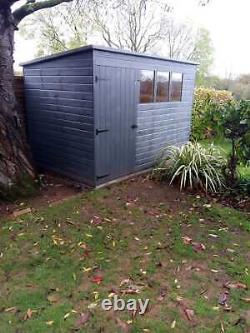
(156, 81)
(170, 87)
(153, 86)
(154, 95)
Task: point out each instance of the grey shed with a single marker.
(96, 114)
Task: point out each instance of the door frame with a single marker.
(105, 177)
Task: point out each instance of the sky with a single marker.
(227, 21)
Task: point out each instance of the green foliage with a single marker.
(207, 116)
(192, 166)
(58, 29)
(236, 124)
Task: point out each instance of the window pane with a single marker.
(162, 87)
(147, 87)
(176, 86)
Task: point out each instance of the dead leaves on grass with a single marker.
(127, 286)
(53, 298)
(122, 325)
(246, 299)
(189, 314)
(235, 285)
(83, 319)
(28, 314)
(12, 309)
(97, 279)
(198, 247)
(21, 212)
(223, 298)
(187, 311)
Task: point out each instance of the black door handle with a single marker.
(97, 131)
(134, 126)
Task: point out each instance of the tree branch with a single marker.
(30, 8)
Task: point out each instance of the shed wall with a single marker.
(60, 114)
(159, 124)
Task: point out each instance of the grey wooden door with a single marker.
(116, 101)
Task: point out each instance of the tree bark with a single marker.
(14, 162)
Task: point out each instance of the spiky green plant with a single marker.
(191, 166)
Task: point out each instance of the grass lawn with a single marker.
(225, 147)
(61, 261)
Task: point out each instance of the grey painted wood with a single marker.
(65, 105)
(60, 113)
(159, 124)
(115, 112)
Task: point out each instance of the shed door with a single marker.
(116, 101)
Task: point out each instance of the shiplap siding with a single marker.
(159, 124)
(84, 116)
(60, 115)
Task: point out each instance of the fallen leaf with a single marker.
(198, 246)
(97, 279)
(222, 330)
(230, 250)
(53, 298)
(12, 309)
(213, 235)
(123, 326)
(21, 212)
(88, 269)
(84, 318)
(173, 324)
(124, 281)
(66, 316)
(82, 245)
(28, 314)
(189, 314)
(247, 300)
(223, 299)
(235, 285)
(161, 297)
(51, 322)
(215, 308)
(92, 305)
(187, 240)
(207, 205)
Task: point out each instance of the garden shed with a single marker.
(96, 114)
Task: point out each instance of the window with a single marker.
(147, 86)
(162, 87)
(176, 86)
(157, 86)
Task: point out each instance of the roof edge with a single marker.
(105, 49)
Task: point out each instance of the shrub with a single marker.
(191, 166)
(208, 112)
(236, 124)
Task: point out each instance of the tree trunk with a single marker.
(14, 162)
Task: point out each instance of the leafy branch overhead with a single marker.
(32, 6)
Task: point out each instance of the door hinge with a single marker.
(97, 131)
(103, 176)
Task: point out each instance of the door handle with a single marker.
(134, 126)
(97, 131)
